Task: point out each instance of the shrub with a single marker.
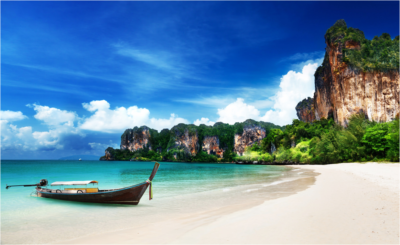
(393, 141)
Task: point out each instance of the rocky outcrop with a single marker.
(250, 135)
(185, 138)
(182, 143)
(343, 89)
(136, 138)
(109, 155)
(305, 110)
(211, 146)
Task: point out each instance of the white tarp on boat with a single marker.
(85, 182)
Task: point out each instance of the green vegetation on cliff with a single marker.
(319, 142)
(164, 144)
(379, 54)
(324, 142)
(223, 131)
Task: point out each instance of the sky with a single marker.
(75, 75)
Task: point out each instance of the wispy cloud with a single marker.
(65, 72)
(213, 101)
(160, 61)
(67, 88)
(303, 56)
(155, 69)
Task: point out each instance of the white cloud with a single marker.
(116, 120)
(263, 104)
(107, 120)
(60, 123)
(237, 111)
(96, 105)
(12, 136)
(25, 139)
(294, 87)
(53, 116)
(12, 115)
(49, 138)
(205, 121)
(160, 124)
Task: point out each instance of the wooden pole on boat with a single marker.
(8, 186)
(43, 182)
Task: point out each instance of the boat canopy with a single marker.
(85, 182)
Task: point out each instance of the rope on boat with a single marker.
(151, 189)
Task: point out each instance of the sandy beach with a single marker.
(348, 203)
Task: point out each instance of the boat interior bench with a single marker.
(84, 190)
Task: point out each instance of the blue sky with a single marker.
(74, 75)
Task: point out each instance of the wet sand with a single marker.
(348, 203)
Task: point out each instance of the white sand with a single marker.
(349, 203)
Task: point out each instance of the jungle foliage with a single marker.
(319, 142)
(164, 147)
(324, 142)
(379, 54)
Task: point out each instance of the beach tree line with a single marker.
(320, 142)
(324, 141)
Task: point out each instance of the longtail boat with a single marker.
(128, 195)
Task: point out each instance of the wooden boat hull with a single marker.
(129, 195)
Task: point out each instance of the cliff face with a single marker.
(211, 146)
(109, 155)
(305, 110)
(184, 138)
(341, 91)
(182, 142)
(345, 84)
(250, 135)
(136, 138)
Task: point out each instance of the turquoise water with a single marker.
(171, 179)
(178, 188)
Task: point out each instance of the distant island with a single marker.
(353, 116)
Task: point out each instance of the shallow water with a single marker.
(179, 188)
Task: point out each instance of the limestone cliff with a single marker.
(109, 155)
(211, 146)
(251, 134)
(357, 76)
(184, 137)
(183, 142)
(305, 110)
(136, 138)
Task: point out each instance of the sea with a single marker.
(178, 189)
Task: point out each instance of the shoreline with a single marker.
(202, 192)
(167, 229)
(348, 203)
(205, 208)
